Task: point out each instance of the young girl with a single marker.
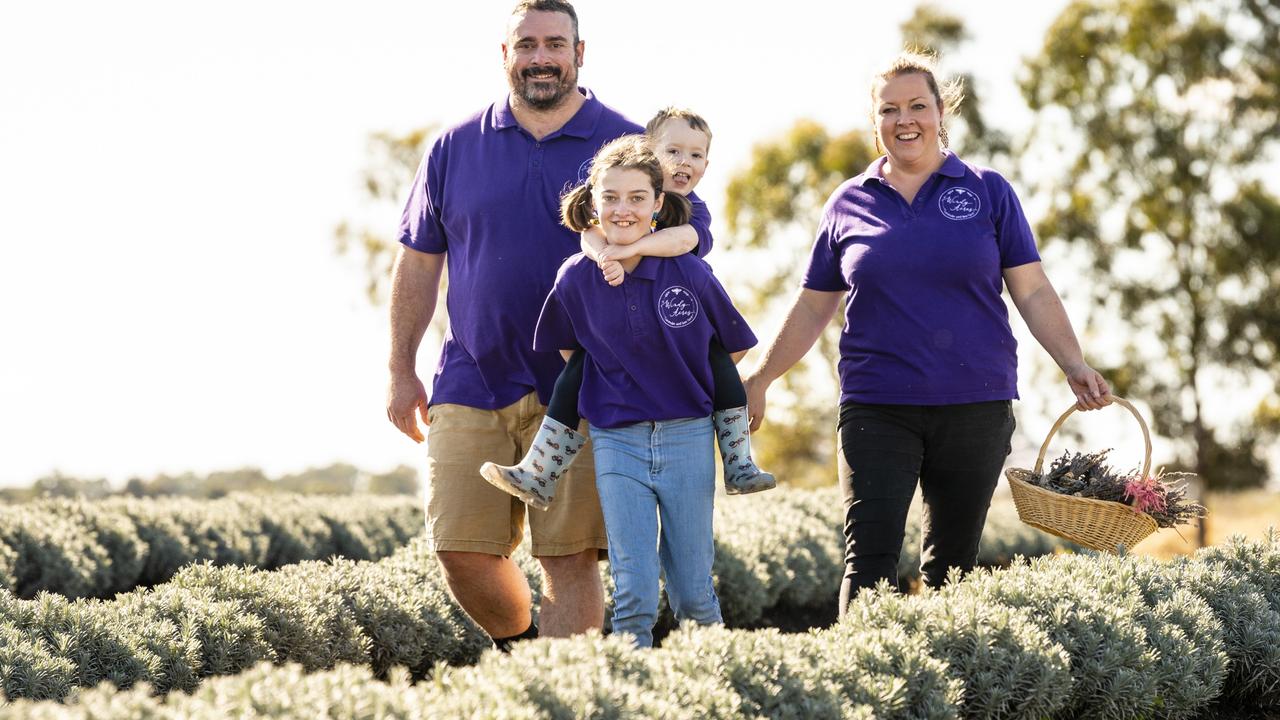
(683, 137)
(646, 388)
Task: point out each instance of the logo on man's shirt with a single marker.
(677, 307)
(584, 171)
(959, 203)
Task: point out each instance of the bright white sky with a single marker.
(170, 175)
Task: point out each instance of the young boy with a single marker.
(682, 140)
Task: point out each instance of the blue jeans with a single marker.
(647, 472)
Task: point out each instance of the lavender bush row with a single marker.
(79, 548)
(1060, 637)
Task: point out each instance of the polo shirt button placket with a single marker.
(535, 159)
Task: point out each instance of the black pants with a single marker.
(955, 452)
(729, 391)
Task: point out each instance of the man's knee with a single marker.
(571, 567)
(457, 563)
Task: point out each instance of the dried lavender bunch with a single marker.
(1163, 496)
(1084, 475)
(1178, 508)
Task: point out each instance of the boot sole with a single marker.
(490, 472)
(728, 490)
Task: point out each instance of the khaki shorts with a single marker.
(467, 514)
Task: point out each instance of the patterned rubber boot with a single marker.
(534, 479)
(733, 434)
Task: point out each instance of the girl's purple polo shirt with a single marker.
(647, 340)
(924, 320)
(488, 194)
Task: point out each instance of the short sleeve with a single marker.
(700, 221)
(730, 327)
(1013, 232)
(420, 225)
(823, 272)
(554, 331)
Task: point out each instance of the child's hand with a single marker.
(612, 271)
(616, 252)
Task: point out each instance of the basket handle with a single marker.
(1146, 435)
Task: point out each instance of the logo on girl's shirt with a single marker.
(677, 307)
(959, 203)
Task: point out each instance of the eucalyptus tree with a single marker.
(1157, 122)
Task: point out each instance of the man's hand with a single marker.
(405, 395)
(613, 272)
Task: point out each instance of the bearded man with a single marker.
(486, 204)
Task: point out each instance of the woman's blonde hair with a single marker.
(948, 95)
(629, 152)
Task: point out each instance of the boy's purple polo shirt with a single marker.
(924, 320)
(488, 194)
(647, 340)
(700, 221)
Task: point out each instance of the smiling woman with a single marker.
(920, 245)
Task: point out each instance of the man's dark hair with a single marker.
(560, 6)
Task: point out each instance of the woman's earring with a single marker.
(594, 221)
(653, 222)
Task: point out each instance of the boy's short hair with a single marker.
(696, 121)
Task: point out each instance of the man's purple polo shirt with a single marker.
(647, 340)
(924, 320)
(488, 194)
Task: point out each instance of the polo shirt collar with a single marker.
(952, 167)
(582, 125)
(648, 268)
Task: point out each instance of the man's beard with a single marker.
(546, 93)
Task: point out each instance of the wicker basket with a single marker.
(1097, 524)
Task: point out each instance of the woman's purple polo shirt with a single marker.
(924, 320)
(488, 194)
(647, 340)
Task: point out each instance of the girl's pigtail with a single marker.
(575, 208)
(675, 211)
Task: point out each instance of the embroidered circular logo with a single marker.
(959, 203)
(677, 307)
(584, 171)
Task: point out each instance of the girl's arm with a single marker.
(1041, 308)
(806, 319)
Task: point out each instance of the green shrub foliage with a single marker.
(81, 548)
(1058, 637)
(216, 617)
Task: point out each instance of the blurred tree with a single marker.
(1159, 122)
(403, 480)
(392, 164)
(59, 485)
(772, 211)
(335, 479)
(935, 31)
(224, 482)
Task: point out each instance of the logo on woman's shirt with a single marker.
(677, 307)
(959, 203)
